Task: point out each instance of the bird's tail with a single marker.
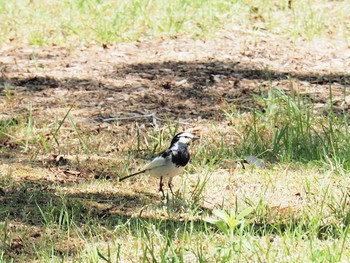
(131, 175)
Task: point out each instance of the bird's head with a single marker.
(184, 137)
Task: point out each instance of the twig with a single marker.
(152, 115)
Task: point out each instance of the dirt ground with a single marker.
(179, 78)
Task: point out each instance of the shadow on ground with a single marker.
(175, 89)
(35, 203)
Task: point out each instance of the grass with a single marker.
(314, 236)
(296, 209)
(288, 130)
(47, 23)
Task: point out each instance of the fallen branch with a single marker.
(151, 115)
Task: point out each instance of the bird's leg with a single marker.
(161, 186)
(170, 184)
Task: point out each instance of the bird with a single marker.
(170, 162)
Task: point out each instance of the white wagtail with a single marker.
(171, 162)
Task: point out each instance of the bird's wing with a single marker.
(157, 162)
(161, 160)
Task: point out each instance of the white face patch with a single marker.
(186, 137)
(175, 147)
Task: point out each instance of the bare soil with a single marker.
(178, 78)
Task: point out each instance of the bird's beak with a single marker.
(196, 138)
